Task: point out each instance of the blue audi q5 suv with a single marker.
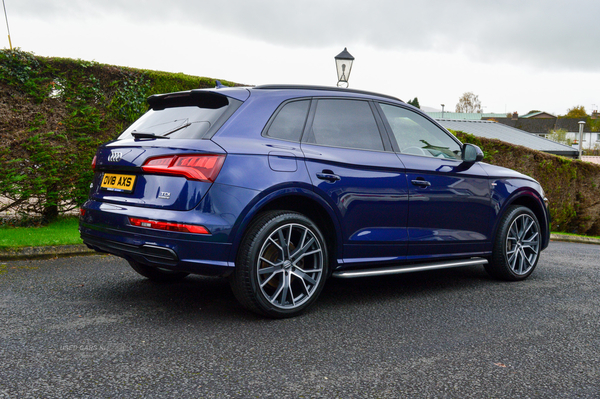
(279, 188)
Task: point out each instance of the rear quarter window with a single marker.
(288, 122)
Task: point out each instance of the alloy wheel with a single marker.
(290, 266)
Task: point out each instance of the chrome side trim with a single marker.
(409, 269)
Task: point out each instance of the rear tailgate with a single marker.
(119, 177)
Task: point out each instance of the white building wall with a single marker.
(590, 140)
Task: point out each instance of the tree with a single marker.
(414, 102)
(560, 136)
(468, 102)
(577, 111)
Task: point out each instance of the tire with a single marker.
(156, 274)
(517, 245)
(280, 280)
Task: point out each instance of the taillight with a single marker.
(170, 226)
(94, 163)
(193, 167)
(81, 212)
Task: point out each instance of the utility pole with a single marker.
(7, 28)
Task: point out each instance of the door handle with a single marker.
(421, 182)
(328, 175)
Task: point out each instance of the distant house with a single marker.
(493, 130)
(538, 115)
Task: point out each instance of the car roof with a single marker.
(323, 88)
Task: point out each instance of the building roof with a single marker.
(464, 115)
(493, 130)
(538, 114)
(572, 124)
(544, 125)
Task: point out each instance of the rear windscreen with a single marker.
(184, 122)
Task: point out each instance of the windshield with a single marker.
(188, 122)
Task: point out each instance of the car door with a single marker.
(352, 165)
(449, 200)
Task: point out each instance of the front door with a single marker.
(449, 200)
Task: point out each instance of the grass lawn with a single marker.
(61, 232)
(572, 234)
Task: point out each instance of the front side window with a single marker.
(345, 123)
(415, 135)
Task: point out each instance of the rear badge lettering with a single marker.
(164, 195)
(115, 156)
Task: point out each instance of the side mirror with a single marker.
(472, 153)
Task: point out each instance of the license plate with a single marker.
(114, 182)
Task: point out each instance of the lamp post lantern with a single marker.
(343, 64)
(443, 105)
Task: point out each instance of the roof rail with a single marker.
(323, 88)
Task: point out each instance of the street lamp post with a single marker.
(343, 65)
(581, 123)
(442, 111)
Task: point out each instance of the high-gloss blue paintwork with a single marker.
(367, 198)
(370, 197)
(453, 213)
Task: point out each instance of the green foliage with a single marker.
(560, 136)
(577, 111)
(414, 102)
(129, 100)
(23, 71)
(46, 149)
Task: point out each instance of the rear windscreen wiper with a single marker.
(143, 135)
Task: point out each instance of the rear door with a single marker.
(449, 200)
(352, 165)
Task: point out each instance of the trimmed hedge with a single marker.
(55, 112)
(572, 186)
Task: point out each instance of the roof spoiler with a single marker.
(198, 98)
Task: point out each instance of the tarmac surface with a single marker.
(88, 326)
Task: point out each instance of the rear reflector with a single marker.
(155, 224)
(193, 167)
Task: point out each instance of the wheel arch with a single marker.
(299, 200)
(531, 201)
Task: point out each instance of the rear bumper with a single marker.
(147, 254)
(106, 228)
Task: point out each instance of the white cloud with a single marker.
(515, 55)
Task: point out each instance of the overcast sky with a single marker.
(515, 55)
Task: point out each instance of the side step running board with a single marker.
(409, 268)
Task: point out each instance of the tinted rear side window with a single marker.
(345, 123)
(289, 121)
